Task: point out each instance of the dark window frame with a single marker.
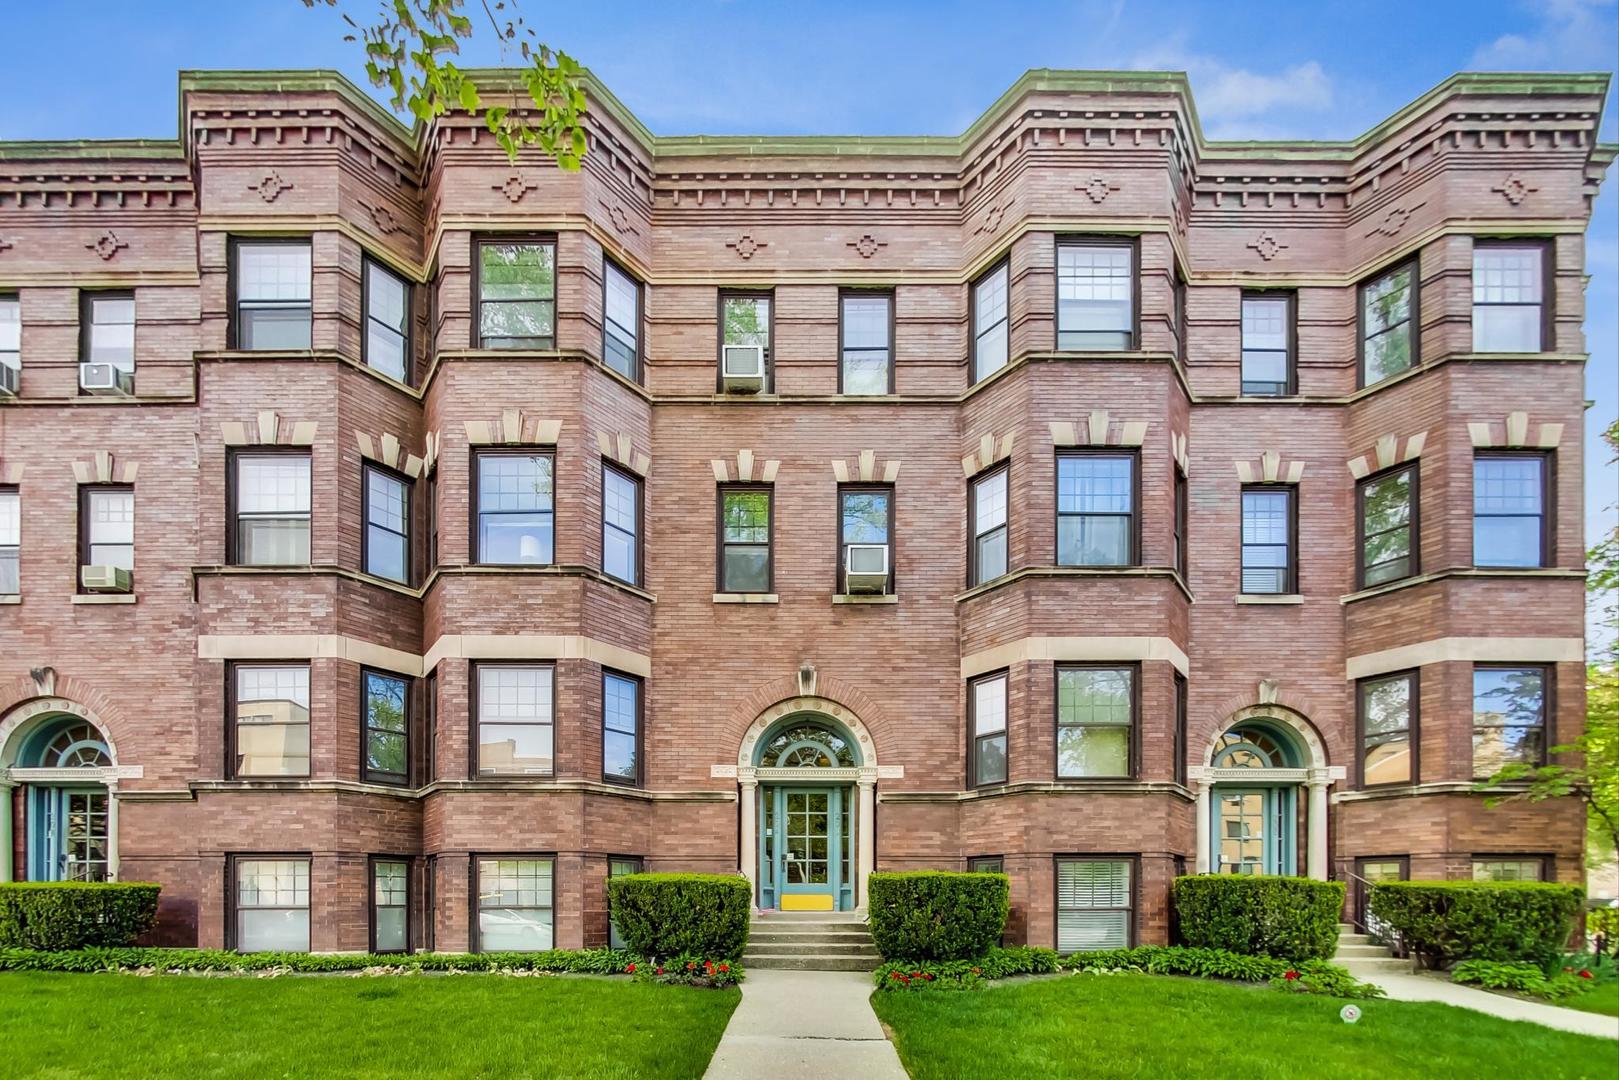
(371, 902)
(1290, 386)
(975, 575)
(366, 773)
(474, 669)
(1547, 861)
(973, 862)
(367, 261)
(231, 667)
(1179, 747)
(1133, 454)
(1134, 859)
(1548, 707)
(1413, 727)
(845, 294)
(1413, 524)
(1004, 263)
(86, 526)
(1362, 893)
(1178, 287)
(1133, 742)
(1414, 323)
(639, 779)
(430, 512)
(233, 299)
(638, 376)
(607, 894)
(474, 937)
(13, 489)
(769, 491)
(479, 240)
(232, 514)
(767, 295)
(474, 543)
(1005, 734)
(430, 726)
(233, 909)
(87, 303)
(367, 466)
(1292, 571)
(1085, 240)
(1548, 502)
(640, 521)
(840, 552)
(1181, 523)
(1547, 247)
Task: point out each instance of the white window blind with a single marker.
(1093, 905)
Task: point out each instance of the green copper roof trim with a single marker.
(1038, 80)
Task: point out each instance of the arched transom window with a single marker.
(807, 745)
(70, 744)
(1252, 746)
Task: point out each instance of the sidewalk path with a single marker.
(805, 1024)
(1429, 988)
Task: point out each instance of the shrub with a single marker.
(1447, 921)
(965, 974)
(669, 915)
(74, 914)
(936, 915)
(1320, 977)
(1288, 917)
(1519, 977)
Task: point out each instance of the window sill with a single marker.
(746, 598)
(11, 598)
(104, 598)
(864, 598)
(1268, 599)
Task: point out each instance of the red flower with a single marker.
(660, 971)
(895, 975)
(928, 976)
(1291, 975)
(691, 965)
(725, 967)
(1585, 974)
(978, 971)
(629, 969)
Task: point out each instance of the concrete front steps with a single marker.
(810, 941)
(1363, 959)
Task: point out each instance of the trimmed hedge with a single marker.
(1447, 921)
(667, 915)
(936, 915)
(1288, 917)
(75, 914)
(581, 962)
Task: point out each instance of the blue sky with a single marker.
(106, 68)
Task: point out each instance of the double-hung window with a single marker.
(271, 279)
(746, 336)
(1267, 344)
(387, 523)
(1509, 509)
(387, 728)
(1093, 904)
(107, 526)
(621, 525)
(107, 333)
(10, 541)
(986, 864)
(621, 728)
(866, 332)
(986, 720)
(515, 902)
(516, 718)
(387, 321)
(516, 294)
(514, 507)
(1182, 516)
(744, 528)
(1388, 526)
(1508, 868)
(270, 512)
(272, 904)
(1388, 324)
(1178, 745)
(618, 866)
(1095, 295)
(621, 321)
(1095, 719)
(1269, 551)
(865, 534)
(1509, 717)
(990, 327)
(1509, 297)
(1387, 708)
(10, 331)
(390, 905)
(270, 720)
(986, 510)
(1096, 509)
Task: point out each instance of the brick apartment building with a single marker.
(396, 542)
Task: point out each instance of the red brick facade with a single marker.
(1063, 154)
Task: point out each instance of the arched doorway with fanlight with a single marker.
(807, 767)
(1255, 806)
(65, 767)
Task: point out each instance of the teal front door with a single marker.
(1253, 830)
(805, 849)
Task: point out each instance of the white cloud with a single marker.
(1238, 103)
(1568, 35)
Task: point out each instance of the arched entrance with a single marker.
(65, 765)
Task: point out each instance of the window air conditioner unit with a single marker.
(105, 379)
(742, 368)
(10, 377)
(865, 568)
(104, 578)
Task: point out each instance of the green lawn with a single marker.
(60, 1026)
(1157, 1026)
(1603, 998)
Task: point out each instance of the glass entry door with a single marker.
(1253, 830)
(805, 842)
(69, 839)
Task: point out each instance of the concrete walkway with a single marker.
(811, 1024)
(1434, 988)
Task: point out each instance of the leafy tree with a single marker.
(407, 53)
